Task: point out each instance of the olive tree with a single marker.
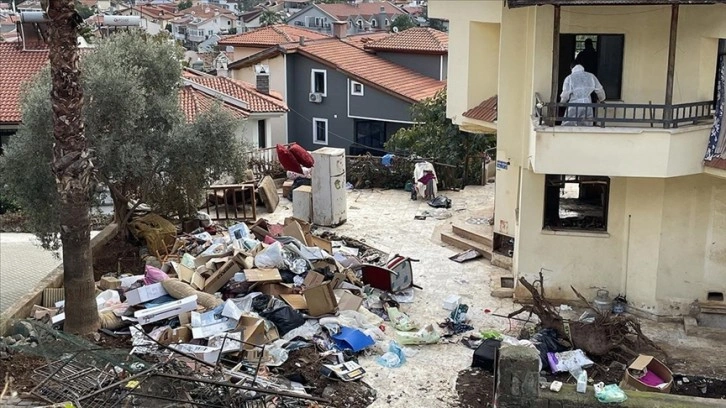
(143, 148)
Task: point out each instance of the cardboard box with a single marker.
(293, 229)
(652, 365)
(181, 334)
(166, 311)
(184, 273)
(287, 188)
(253, 330)
(208, 354)
(222, 275)
(320, 300)
(263, 275)
(272, 289)
(145, 294)
(313, 279)
(347, 300)
(109, 282)
(297, 302)
(255, 354)
(321, 243)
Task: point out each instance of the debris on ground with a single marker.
(253, 313)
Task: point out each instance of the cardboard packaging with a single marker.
(254, 331)
(181, 334)
(109, 282)
(653, 370)
(263, 275)
(145, 294)
(272, 289)
(184, 273)
(321, 299)
(347, 300)
(208, 354)
(171, 309)
(287, 188)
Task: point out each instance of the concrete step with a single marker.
(473, 233)
(466, 244)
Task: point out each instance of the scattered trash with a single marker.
(491, 335)
(487, 355)
(565, 308)
(451, 302)
(465, 256)
(427, 335)
(394, 357)
(571, 361)
(440, 202)
(610, 393)
(400, 320)
(556, 386)
(646, 373)
(582, 382)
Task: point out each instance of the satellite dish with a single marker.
(395, 29)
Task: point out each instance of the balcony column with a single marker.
(668, 113)
(555, 64)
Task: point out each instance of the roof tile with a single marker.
(194, 103)
(17, 68)
(416, 39)
(485, 111)
(246, 92)
(271, 35)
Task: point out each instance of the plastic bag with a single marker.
(154, 275)
(572, 361)
(270, 257)
(394, 358)
(610, 393)
(400, 320)
(307, 331)
(284, 318)
(546, 341)
(427, 335)
(440, 202)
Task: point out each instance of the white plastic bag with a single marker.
(427, 335)
(270, 257)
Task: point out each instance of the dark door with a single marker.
(610, 64)
(370, 136)
(262, 133)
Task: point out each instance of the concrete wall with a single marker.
(312, 12)
(377, 105)
(426, 64)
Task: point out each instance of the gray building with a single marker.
(359, 17)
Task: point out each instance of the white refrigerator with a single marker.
(330, 207)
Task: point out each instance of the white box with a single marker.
(145, 294)
(452, 302)
(166, 310)
(208, 354)
(302, 203)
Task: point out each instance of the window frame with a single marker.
(359, 24)
(315, 131)
(386, 22)
(325, 81)
(353, 91)
(374, 23)
(547, 222)
(597, 39)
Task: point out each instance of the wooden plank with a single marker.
(555, 62)
(668, 113)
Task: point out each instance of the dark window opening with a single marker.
(261, 134)
(721, 54)
(321, 131)
(715, 297)
(577, 203)
(372, 135)
(606, 63)
(5, 135)
(319, 82)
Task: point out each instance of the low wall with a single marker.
(518, 387)
(22, 308)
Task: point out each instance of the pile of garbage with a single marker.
(237, 302)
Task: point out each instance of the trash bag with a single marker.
(259, 303)
(440, 202)
(546, 341)
(394, 358)
(401, 321)
(154, 275)
(427, 335)
(270, 257)
(285, 318)
(610, 393)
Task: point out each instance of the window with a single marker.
(319, 81)
(386, 22)
(356, 88)
(320, 131)
(261, 134)
(606, 62)
(578, 203)
(359, 23)
(374, 23)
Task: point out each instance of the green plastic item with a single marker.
(491, 334)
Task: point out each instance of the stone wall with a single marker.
(518, 387)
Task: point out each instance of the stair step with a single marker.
(473, 234)
(466, 244)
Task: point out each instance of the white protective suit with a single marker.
(419, 172)
(578, 87)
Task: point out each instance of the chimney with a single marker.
(262, 73)
(301, 41)
(340, 29)
(383, 9)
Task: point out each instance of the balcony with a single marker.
(625, 140)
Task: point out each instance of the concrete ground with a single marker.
(23, 263)
(384, 219)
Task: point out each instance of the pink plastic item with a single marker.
(154, 275)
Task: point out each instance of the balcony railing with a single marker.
(625, 114)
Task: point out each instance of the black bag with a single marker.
(284, 318)
(486, 355)
(440, 202)
(547, 341)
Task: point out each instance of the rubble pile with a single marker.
(270, 312)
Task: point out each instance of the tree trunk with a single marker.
(72, 168)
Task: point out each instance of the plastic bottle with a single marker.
(582, 382)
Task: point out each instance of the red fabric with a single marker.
(287, 160)
(303, 156)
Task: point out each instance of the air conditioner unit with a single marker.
(316, 97)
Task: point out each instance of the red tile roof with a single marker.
(344, 10)
(371, 69)
(416, 39)
(257, 102)
(17, 68)
(194, 103)
(485, 111)
(360, 40)
(271, 35)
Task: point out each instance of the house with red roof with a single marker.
(359, 17)
(198, 93)
(198, 23)
(154, 19)
(350, 92)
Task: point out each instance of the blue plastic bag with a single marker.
(394, 358)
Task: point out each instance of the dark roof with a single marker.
(524, 3)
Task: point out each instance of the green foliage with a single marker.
(185, 4)
(246, 5)
(232, 30)
(402, 22)
(83, 10)
(269, 17)
(435, 137)
(143, 148)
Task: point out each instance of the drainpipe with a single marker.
(555, 64)
(668, 114)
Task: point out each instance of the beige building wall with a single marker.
(278, 83)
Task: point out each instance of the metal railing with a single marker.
(623, 114)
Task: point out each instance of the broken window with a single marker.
(576, 202)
